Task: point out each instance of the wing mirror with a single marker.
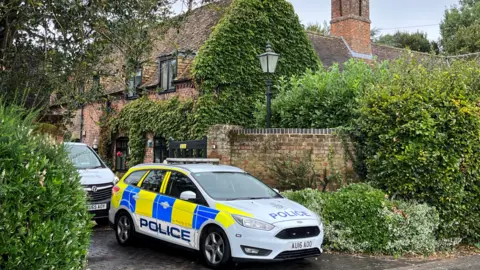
(188, 196)
(276, 190)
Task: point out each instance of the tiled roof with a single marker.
(330, 50)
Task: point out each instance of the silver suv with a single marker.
(96, 178)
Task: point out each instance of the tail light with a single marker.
(115, 189)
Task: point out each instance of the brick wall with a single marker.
(252, 150)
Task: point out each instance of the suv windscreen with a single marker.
(83, 157)
(234, 186)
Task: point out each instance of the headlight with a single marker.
(253, 223)
(116, 180)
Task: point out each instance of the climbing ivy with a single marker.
(169, 119)
(227, 69)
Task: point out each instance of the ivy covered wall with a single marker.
(226, 72)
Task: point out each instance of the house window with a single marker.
(168, 73)
(134, 82)
(160, 152)
(96, 81)
(121, 154)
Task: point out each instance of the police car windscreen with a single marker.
(83, 157)
(234, 186)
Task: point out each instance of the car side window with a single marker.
(178, 183)
(134, 178)
(153, 181)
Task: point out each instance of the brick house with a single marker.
(172, 56)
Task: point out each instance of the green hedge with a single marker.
(360, 218)
(418, 136)
(44, 223)
(323, 98)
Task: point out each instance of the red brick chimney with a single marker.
(351, 20)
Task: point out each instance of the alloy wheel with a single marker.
(214, 248)
(123, 228)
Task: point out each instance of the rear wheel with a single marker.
(124, 229)
(215, 248)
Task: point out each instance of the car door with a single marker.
(181, 221)
(130, 193)
(146, 206)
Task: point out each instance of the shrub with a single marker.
(360, 218)
(418, 135)
(322, 99)
(44, 223)
(298, 172)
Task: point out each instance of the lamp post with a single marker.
(269, 61)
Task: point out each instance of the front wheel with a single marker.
(215, 248)
(124, 229)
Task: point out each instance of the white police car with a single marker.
(219, 210)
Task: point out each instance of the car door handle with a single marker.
(136, 197)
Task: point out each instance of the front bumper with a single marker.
(99, 214)
(281, 249)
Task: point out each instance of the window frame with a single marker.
(140, 184)
(135, 81)
(139, 180)
(121, 139)
(200, 198)
(170, 84)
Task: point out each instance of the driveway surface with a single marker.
(106, 254)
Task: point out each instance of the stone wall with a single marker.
(253, 149)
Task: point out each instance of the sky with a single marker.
(389, 15)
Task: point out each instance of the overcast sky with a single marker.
(385, 14)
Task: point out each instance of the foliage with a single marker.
(55, 47)
(299, 172)
(460, 28)
(418, 135)
(414, 41)
(321, 99)
(44, 219)
(359, 218)
(227, 66)
(170, 119)
(322, 29)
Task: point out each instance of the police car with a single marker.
(219, 210)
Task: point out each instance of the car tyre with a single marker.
(102, 221)
(215, 248)
(124, 229)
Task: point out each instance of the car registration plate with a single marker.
(95, 207)
(301, 245)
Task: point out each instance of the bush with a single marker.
(359, 218)
(418, 135)
(44, 223)
(322, 99)
(298, 172)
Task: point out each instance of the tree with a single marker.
(460, 28)
(415, 41)
(57, 46)
(322, 29)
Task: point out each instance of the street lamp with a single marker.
(269, 61)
